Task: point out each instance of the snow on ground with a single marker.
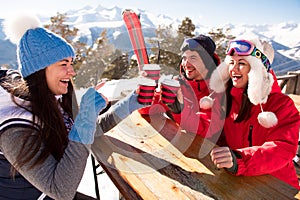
(107, 189)
(117, 89)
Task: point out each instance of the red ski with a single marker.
(134, 29)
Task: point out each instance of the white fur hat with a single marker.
(260, 81)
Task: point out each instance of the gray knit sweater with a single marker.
(59, 180)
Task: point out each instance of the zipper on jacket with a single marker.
(199, 89)
(250, 135)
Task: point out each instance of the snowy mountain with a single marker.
(91, 21)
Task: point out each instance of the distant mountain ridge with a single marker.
(91, 21)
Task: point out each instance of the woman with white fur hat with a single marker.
(261, 129)
(41, 140)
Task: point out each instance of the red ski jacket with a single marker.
(265, 150)
(192, 118)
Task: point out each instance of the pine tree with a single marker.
(118, 66)
(96, 59)
(221, 39)
(187, 27)
(168, 43)
(59, 27)
(166, 48)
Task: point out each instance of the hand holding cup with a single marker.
(169, 89)
(146, 90)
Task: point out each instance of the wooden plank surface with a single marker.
(152, 158)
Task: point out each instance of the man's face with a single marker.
(193, 65)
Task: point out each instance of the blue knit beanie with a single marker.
(37, 47)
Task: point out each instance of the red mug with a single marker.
(169, 88)
(153, 71)
(146, 91)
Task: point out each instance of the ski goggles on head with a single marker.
(246, 48)
(191, 44)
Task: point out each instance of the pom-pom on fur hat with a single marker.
(260, 81)
(37, 47)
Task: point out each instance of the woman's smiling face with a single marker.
(238, 70)
(59, 75)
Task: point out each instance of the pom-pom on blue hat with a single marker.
(37, 47)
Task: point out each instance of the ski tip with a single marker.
(130, 10)
(126, 10)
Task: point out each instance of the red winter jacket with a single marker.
(192, 118)
(262, 150)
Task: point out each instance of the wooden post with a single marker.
(291, 82)
(297, 82)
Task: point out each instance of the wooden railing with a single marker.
(290, 83)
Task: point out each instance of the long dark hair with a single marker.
(51, 131)
(245, 109)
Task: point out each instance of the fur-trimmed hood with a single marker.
(260, 81)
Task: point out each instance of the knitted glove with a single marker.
(84, 126)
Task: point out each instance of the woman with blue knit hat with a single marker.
(261, 127)
(44, 139)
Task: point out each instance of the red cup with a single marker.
(169, 88)
(146, 91)
(153, 71)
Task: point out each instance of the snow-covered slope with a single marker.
(91, 21)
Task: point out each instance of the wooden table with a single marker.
(152, 158)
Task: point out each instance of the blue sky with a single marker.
(208, 12)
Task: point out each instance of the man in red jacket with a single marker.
(198, 61)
